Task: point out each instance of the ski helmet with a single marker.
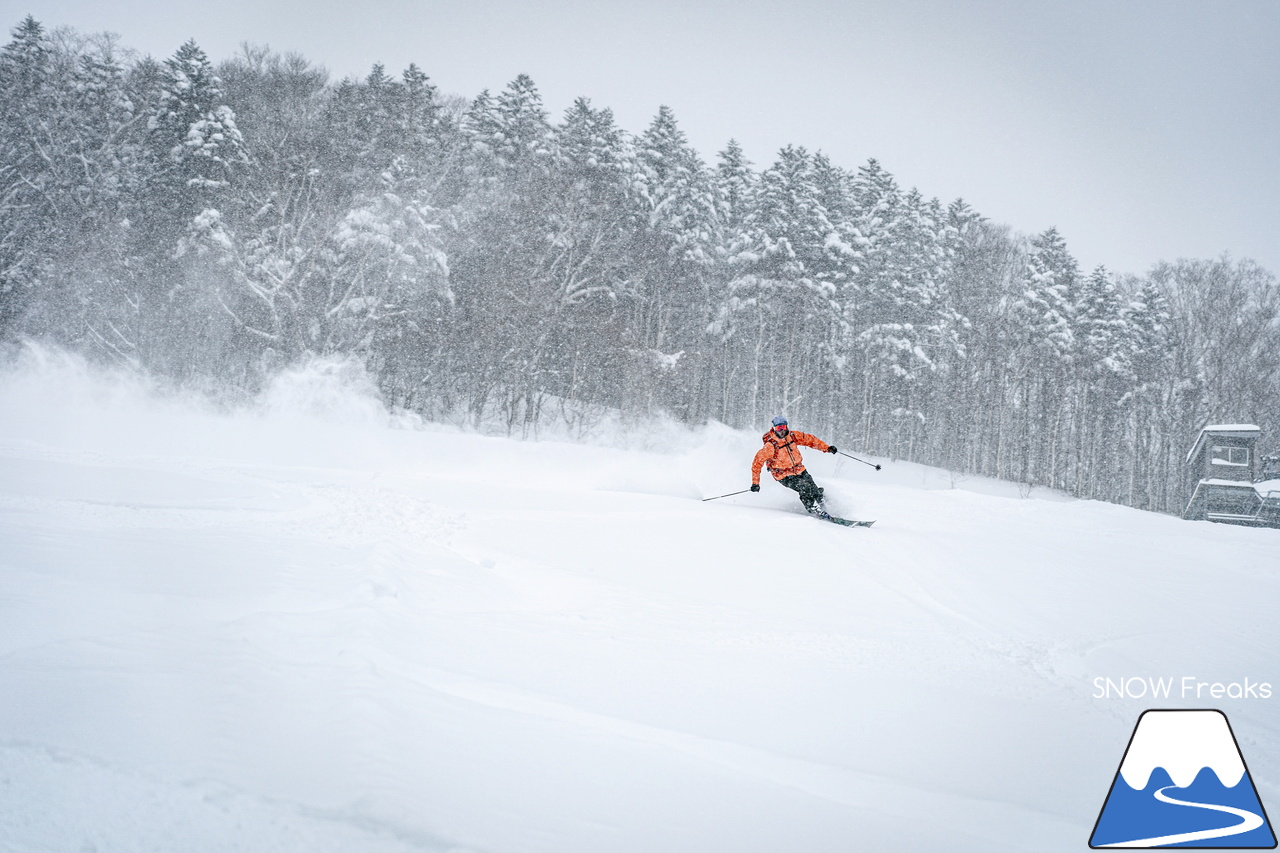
(779, 421)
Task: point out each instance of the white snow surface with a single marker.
(1183, 743)
(310, 625)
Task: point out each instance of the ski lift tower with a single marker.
(1223, 462)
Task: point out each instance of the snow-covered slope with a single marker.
(308, 627)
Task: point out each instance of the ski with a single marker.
(847, 522)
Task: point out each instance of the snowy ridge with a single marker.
(1183, 743)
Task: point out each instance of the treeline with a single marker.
(211, 224)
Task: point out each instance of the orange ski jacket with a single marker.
(781, 454)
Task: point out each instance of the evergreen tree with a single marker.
(735, 184)
(1147, 317)
(93, 157)
(670, 313)
(908, 328)
(1101, 329)
(1044, 317)
(1046, 306)
(25, 213)
(193, 136)
(595, 161)
(682, 213)
(24, 65)
(512, 129)
(790, 262)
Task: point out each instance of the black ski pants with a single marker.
(810, 494)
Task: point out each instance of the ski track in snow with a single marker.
(284, 634)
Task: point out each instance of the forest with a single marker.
(492, 265)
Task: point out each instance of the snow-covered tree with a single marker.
(193, 135)
(512, 129)
(906, 326)
(1101, 328)
(25, 214)
(735, 186)
(1147, 318)
(1046, 307)
(674, 253)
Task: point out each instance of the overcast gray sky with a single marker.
(1143, 130)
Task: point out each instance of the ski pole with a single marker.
(856, 459)
(718, 497)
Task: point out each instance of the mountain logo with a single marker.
(1183, 783)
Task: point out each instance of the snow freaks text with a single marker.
(1185, 687)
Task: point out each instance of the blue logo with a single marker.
(1183, 783)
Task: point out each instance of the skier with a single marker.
(781, 454)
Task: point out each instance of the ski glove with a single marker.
(831, 449)
(755, 487)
